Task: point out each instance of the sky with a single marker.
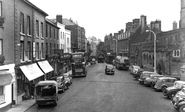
(102, 17)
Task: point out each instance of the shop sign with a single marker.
(2, 99)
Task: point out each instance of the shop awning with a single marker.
(45, 66)
(31, 71)
(7, 74)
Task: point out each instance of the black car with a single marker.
(109, 69)
(171, 91)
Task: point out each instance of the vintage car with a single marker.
(60, 82)
(155, 79)
(137, 76)
(164, 82)
(93, 61)
(46, 92)
(178, 100)
(109, 69)
(68, 78)
(134, 69)
(149, 80)
(171, 91)
(144, 75)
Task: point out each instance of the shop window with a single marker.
(176, 53)
(21, 80)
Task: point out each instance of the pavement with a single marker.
(24, 105)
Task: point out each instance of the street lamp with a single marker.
(154, 48)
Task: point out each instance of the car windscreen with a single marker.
(45, 90)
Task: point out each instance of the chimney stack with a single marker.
(174, 25)
(143, 23)
(59, 18)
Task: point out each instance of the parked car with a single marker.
(144, 75)
(60, 82)
(137, 76)
(152, 78)
(68, 78)
(171, 91)
(164, 82)
(178, 100)
(46, 92)
(134, 69)
(109, 69)
(155, 79)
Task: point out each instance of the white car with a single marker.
(134, 69)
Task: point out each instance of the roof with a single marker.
(141, 37)
(167, 77)
(35, 7)
(47, 82)
(52, 23)
(135, 34)
(68, 22)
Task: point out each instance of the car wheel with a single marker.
(55, 103)
(182, 108)
(171, 95)
(163, 88)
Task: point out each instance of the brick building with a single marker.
(77, 35)
(22, 34)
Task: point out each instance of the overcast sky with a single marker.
(101, 17)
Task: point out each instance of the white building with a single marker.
(64, 35)
(67, 43)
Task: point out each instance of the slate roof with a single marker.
(135, 35)
(142, 37)
(67, 22)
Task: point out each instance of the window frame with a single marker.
(42, 29)
(22, 49)
(28, 54)
(1, 46)
(1, 8)
(176, 53)
(28, 25)
(37, 28)
(21, 23)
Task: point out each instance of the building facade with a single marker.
(22, 31)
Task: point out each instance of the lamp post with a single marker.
(154, 48)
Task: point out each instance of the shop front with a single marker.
(27, 77)
(46, 68)
(7, 86)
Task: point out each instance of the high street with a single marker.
(108, 93)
